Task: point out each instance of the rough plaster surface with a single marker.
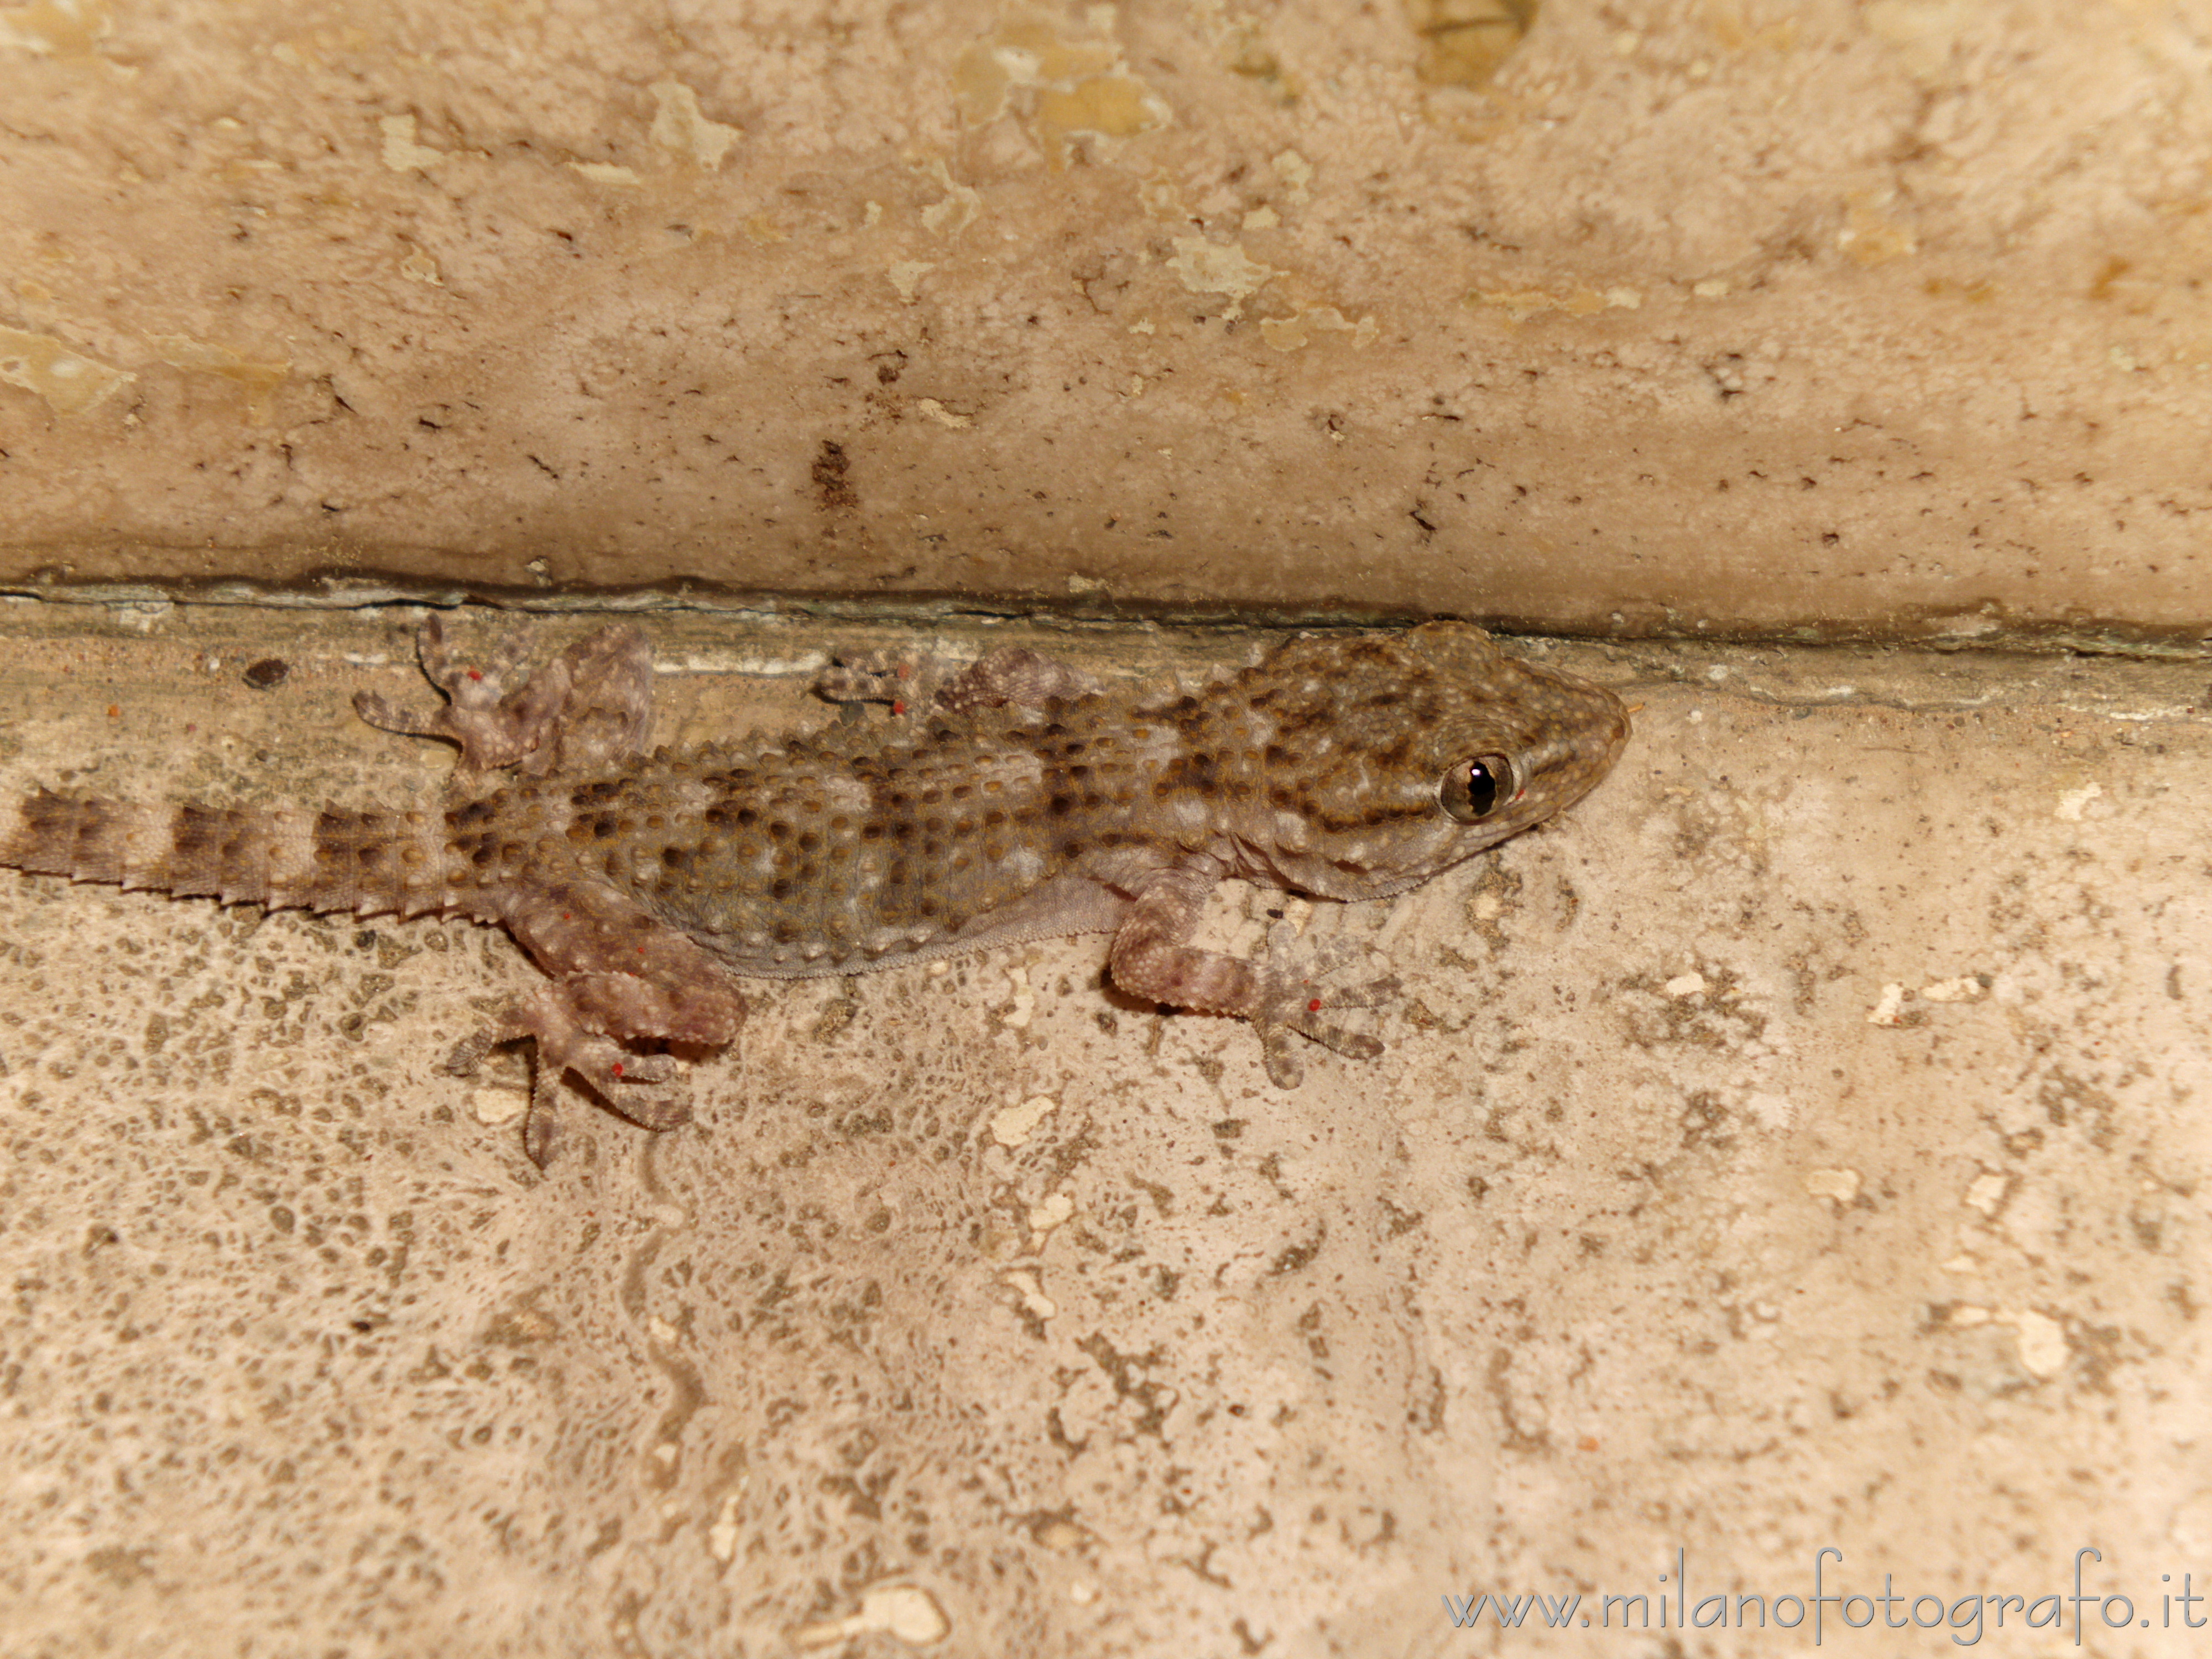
(1762, 315)
(1804, 1145)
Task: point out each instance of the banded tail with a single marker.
(368, 862)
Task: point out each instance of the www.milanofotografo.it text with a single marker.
(1828, 1611)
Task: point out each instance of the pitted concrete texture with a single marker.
(1824, 315)
(1804, 1145)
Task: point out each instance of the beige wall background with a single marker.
(1668, 316)
(1800, 1146)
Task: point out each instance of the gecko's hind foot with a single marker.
(638, 1087)
(1293, 997)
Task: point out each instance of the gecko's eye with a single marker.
(1471, 788)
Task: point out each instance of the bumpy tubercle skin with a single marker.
(1024, 801)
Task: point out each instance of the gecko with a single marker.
(1014, 799)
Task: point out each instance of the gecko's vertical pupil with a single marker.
(1471, 788)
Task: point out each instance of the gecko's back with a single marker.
(863, 846)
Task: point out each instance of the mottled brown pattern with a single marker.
(1022, 800)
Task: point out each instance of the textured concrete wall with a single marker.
(1763, 315)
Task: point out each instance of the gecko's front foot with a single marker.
(589, 705)
(638, 1086)
(1292, 997)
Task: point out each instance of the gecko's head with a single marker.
(1405, 754)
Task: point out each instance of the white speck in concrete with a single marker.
(497, 1106)
(1013, 1124)
(1841, 1185)
(2042, 1341)
(902, 1611)
(1986, 1192)
(722, 1536)
(1044, 1217)
(680, 126)
(1026, 1285)
(1025, 1007)
(906, 277)
(2074, 801)
(1964, 989)
(401, 153)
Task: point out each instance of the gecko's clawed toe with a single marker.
(1278, 1052)
(469, 1053)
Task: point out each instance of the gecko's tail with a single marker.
(369, 862)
